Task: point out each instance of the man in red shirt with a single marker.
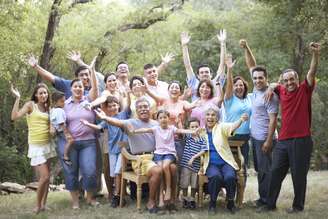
(294, 146)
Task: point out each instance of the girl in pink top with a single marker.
(165, 153)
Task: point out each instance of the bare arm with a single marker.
(93, 93)
(17, 113)
(267, 145)
(195, 157)
(315, 49)
(91, 125)
(185, 131)
(141, 131)
(250, 59)
(75, 56)
(229, 89)
(219, 95)
(238, 123)
(169, 57)
(222, 36)
(45, 75)
(158, 99)
(185, 38)
(113, 121)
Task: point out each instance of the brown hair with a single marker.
(35, 91)
(236, 78)
(209, 84)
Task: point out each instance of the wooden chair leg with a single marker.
(139, 195)
(122, 193)
(240, 188)
(200, 193)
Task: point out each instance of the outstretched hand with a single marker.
(84, 121)
(169, 57)
(101, 114)
(185, 38)
(243, 43)
(15, 91)
(222, 36)
(129, 129)
(314, 47)
(244, 117)
(32, 60)
(75, 56)
(228, 61)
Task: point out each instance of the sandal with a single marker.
(67, 161)
(152, 210)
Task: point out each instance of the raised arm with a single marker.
(17, 113)
(222, 36)
(45, 75)
(169, 57)
(93, 93)
(158, 99)
(229, 89)
(250, 59)
(218, 99)
(267, 145)
(315, 50)
(238, 123)
(185, 38)
(75, 56)
(113, 121)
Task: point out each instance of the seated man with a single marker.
(142, 145)
(219, 161)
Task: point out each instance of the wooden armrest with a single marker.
(128, 156)
(236, 143)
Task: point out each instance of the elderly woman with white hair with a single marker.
(219, 162)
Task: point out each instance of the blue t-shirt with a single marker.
(215, 157)
(116, 134)
(234, 107)
(193, 146)
(259, 121)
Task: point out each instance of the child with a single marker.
(190, 163)
(165, 152)
(58, 123)
(115, 135)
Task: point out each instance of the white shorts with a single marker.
(39, 154)
(115, 164)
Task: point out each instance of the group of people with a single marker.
(96, 112)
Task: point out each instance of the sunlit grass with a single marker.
(20, 206)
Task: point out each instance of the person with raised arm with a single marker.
(294, 147)
(203, 71)
(263, 123)
(39, 149)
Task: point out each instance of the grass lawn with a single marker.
(20, 206)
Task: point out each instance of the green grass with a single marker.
(20, 206)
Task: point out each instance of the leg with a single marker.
(45, 195)
(167, 177)
(161, 187)
(300, 154)
(44, 176)
(215, 182)
(279, 169)
(229, 177)
(154, 175)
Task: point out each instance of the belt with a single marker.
(143, 153)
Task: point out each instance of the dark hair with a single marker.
(57, 95)
(75, 80)
(120, 63)
(80, 68)
(35, 91)
(259, 68)
(203, 66)
(176, 82)
(193, 119)
(290, 70)
(236, 78)
(162, 111)
(208, 83)
(136, 78)
(112, 99)
(148, 66)
(107, 76)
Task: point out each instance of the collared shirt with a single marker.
(74, 113)
(57, 117)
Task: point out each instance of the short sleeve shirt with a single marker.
(57, 117)
(160, 89)
(115, 134)
(164, 139)
(141, 143)
(259, 121)
(295, 111)
(199, 111)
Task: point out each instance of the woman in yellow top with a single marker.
(40, 151)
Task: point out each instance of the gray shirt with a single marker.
(140, 143)
(259, 122)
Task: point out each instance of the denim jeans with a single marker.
(83, 157)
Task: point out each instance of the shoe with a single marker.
(152, 210)
(185, 204)
(231, 206)
(192, 205)
(265, 209)
(259, 203)
(293, 210)
(115, 201)
(212, 208)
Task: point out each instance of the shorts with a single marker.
(146, 163)
(161, 157)
(39, 154)
(115, 164)
(103, 141)
(188, 177)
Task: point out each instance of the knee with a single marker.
(156, 172)
(166, 167)
(45, 178)
(173, 168)
(230, 178)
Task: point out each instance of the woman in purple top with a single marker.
(83, 152)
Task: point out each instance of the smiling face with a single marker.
(60, 102)
(42, 95)
(143, 110)
(174, 90)
(211, 118)
(77, 89)
(290, 80)
(239, 88)
(137, 87)
(204, 73)
(112, 108)
(84, 76)
(259, 80)
(205, 91)
(151, 75)
(163, 120)
(122, 71)
(111, 83)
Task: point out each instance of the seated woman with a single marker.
(219, 162)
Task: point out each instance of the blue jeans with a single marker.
(83, 156)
